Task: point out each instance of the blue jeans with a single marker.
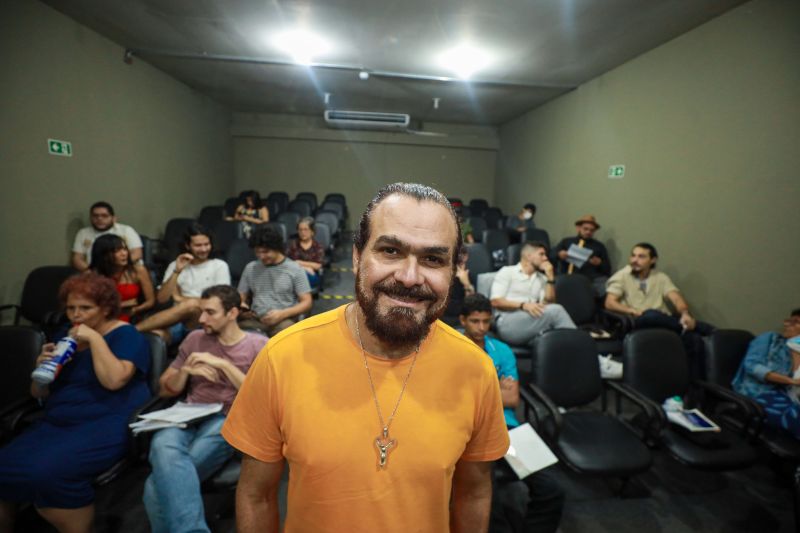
(181, 460)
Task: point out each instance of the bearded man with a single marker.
(389, 420)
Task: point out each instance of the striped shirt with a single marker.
(275, 286)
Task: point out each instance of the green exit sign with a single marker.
(56, 147)
(616, 171)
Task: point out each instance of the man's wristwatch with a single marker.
(522, 305)
(551, 281)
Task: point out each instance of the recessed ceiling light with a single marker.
(302, 45)
(464, 60)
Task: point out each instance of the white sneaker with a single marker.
(609, 369)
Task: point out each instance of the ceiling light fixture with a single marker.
(302, 45)
(464, 60)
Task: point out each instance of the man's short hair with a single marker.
(649, 247)
(104, 205)
(229, 296)
(475, 303)
(266, 237)
(530, 207)
(412, 190)
(532, 245)
(194, 229)
(796, 312)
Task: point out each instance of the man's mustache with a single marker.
(397, 290)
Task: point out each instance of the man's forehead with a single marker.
(422, 223)
(100, 211)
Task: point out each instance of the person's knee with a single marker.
(165, 448)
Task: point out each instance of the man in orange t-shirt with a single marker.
(389, 420)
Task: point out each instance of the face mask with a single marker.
(527, 215)
(794, 344)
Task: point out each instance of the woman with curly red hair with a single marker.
(84, 430)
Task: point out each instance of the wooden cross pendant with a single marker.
(384, 444)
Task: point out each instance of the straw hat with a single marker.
(588, 219)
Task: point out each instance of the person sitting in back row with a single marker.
(523, 296)
(185, 279)
(307, 252)
(523, 220)
(278, 286)
(250, 213)
(598, 267)
(111, 258)
(103, 220)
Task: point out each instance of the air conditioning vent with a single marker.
(366, 120)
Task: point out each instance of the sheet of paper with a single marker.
(577, 255)
(528, 453)
(183, 412)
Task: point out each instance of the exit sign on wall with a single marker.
(616, 171)
(56, 147)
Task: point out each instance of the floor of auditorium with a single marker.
(669, 497)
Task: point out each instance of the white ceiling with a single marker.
(542, 48)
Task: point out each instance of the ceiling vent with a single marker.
(366, 120)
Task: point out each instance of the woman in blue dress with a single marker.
(84, 430)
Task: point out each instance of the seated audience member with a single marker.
(461, 288)
(467, 234)
(642, 292)
(278, 286)
(185, 279)
(523, 220)
(103, 221)
(307, 252)
(546, 499)
(523, 296)
(84, 430)
(770, 374)
(250, 212)
(598, 267)
(211, 365)
(110, 258)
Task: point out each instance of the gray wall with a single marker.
(708, 128)
(144, 142)
(294, 154)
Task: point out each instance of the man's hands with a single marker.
(181, 261)
(270, 318)
(547, 268)
(203, 365)
(595, 261)
(533, 308)
(687, 321)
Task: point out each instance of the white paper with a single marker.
(528, 453)
(680, 418)
(176, 416)
(578, 255)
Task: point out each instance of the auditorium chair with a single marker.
(536, 235)
(478, 206)
(301, 207)
(309, 197)
(19, 348)
(224, 232)
(337, 198)
(479, 260)
(565, 381)
(238, 255)
(281, 198)
(231, 204)
(330, 219)
(172, 242)
(656, 367)
(210, 214)
(335, 207)
(478, 226)
(280, 227)
(494, 218)
(496, 241)
(39, 303)
(289, 219)
(575, 294)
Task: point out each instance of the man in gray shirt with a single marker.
(278, 286)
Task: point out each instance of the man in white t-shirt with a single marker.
(523, 296)
(103, 220)
(184, 281)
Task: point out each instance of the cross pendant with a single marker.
(384, 444)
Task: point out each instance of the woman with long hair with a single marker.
(251, 212)
(111, 258)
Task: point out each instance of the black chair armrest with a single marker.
(656, 419)
(16, 309)
(531, 395)
(12, 415)
(140, 443)
(751, 410)
(617, 322)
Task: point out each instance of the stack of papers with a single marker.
(528, 453)
(577, 255)
(179, 415)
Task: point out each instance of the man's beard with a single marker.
(399, 326)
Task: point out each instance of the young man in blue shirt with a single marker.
(545, 497)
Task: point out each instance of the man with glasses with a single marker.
(103, 220)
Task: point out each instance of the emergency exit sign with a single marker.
(616, 171)
(56, 147)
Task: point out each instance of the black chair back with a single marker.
(655, 363)
(238, 255)
(289, 219)
(329, 218)
(281, 198)
(273, 207)
(564, 366)
(335, 207)
(174, 233)
(280, 227)
(575, 294)
(513, 254)
(301, 207)
(158, 360)
(231, 204)
(725, 350)
(494, 239)
(225, 232)
(478, 206)
(478, 227)
(494, 217)
(478, 261)
(309, 197)
(536, 235)
(211, 214)
(322, 234)
(19, 348)
(39, 303)
(336, 197)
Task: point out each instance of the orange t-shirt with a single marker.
(307, 398)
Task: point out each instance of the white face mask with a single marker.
(794, 344)
(527, 215)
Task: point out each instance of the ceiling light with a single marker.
(464, 60)
(303, 46)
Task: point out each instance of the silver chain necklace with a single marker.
(383, 442)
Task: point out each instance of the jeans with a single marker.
(520, 327)
(545, 501)
(181, 459)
